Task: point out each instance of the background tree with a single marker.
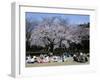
(81, 38)
(29, 27)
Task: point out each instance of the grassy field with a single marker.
(69, 62)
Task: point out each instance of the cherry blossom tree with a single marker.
(50, 33)
(55, 32)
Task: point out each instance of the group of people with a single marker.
(81, 57)
(44, 58)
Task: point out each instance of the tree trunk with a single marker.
(51, 47)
